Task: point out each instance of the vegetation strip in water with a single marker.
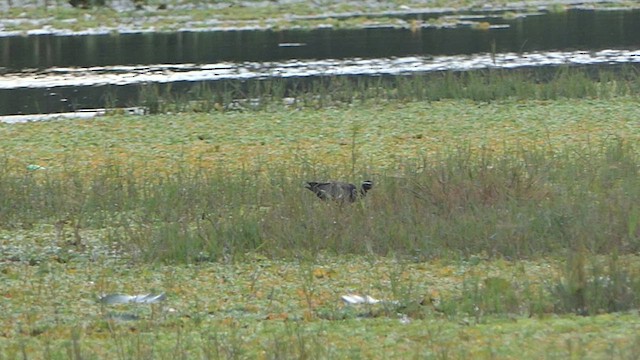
(34, 17)
(540, 83)
(545, 83)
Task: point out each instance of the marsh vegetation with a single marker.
(503, 205)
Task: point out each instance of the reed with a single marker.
(517, 203)
(322, 92)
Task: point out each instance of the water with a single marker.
(53, 73)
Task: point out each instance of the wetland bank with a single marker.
(504, 221)
(488, 220)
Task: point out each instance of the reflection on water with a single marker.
(575, 29)
(127, 75)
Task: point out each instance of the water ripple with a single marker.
(166, 73)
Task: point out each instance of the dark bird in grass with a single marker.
(339, 191)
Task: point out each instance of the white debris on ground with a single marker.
(113, 299)
(79, 114)
(354, 299)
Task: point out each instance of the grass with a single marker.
(330, 91)
(277, 309)
(503, 227)
(389, 134)
(511, 202)
(235, 14)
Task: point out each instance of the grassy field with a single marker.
(506, 228)
(275, 309)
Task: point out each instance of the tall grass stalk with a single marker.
(322, 92)
(518, 203)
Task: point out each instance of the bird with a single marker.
(339, 191)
